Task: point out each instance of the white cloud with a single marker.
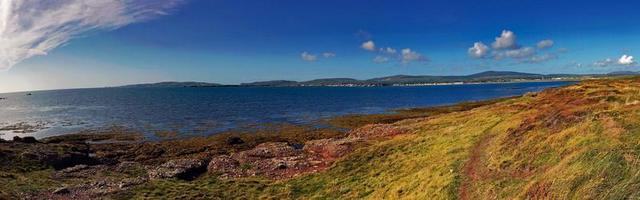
(328, 54)
(306, 56)
(34, 27)
(369, 45)
(479, 50)
(381, 59)
(310, 57)
(626, 60)
(545, 44)
(604, 63)
(506, 40)
(541, 58)
(505, 47)
(407, 56)
(574, 65)
(520, 53)
(388, 50)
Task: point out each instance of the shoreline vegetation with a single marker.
(487, 77)
(562, 142)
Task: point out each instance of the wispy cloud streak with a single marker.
(35, 27)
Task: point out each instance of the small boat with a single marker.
(29, 94)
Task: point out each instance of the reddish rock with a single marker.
(182, 168)
(329, 148)
(222, 164)
(280, 160)
(266, 150)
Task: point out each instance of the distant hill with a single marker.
(502, 74)
(407, 79)
(487, 76)
(331, 81)
(499, 76)
(172, 85)
(623, 73)
(272, 83)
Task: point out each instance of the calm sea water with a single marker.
(201, 111)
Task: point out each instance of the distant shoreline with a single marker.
(487, 77)
(302, 86)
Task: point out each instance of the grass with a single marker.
(26, 182)
(359, 120)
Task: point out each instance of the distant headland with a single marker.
(400, 80)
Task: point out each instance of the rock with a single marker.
(131, 182)
(280, 165)
(62, 190)
(234, 140)
(75, 168)
(27, 139)
(329, 148)
(276, 160)
(223, 163)
(266, 150)
(128, 166)
(99, 184)
(182, 168)
(58, 156)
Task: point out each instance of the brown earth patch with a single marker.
(475, 168)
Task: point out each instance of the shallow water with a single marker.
(203, 111)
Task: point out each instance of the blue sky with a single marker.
(243, 41)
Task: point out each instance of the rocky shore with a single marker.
(86, 168)
(104, 164)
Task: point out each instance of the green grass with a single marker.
(26, 182)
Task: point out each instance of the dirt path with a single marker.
(475, 168)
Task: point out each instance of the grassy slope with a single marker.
(578, 141)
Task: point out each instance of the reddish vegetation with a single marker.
(376, 131)
(540, 191)
(554, 109)
(475, 168)
(543, 115)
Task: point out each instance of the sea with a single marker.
(206, 111)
